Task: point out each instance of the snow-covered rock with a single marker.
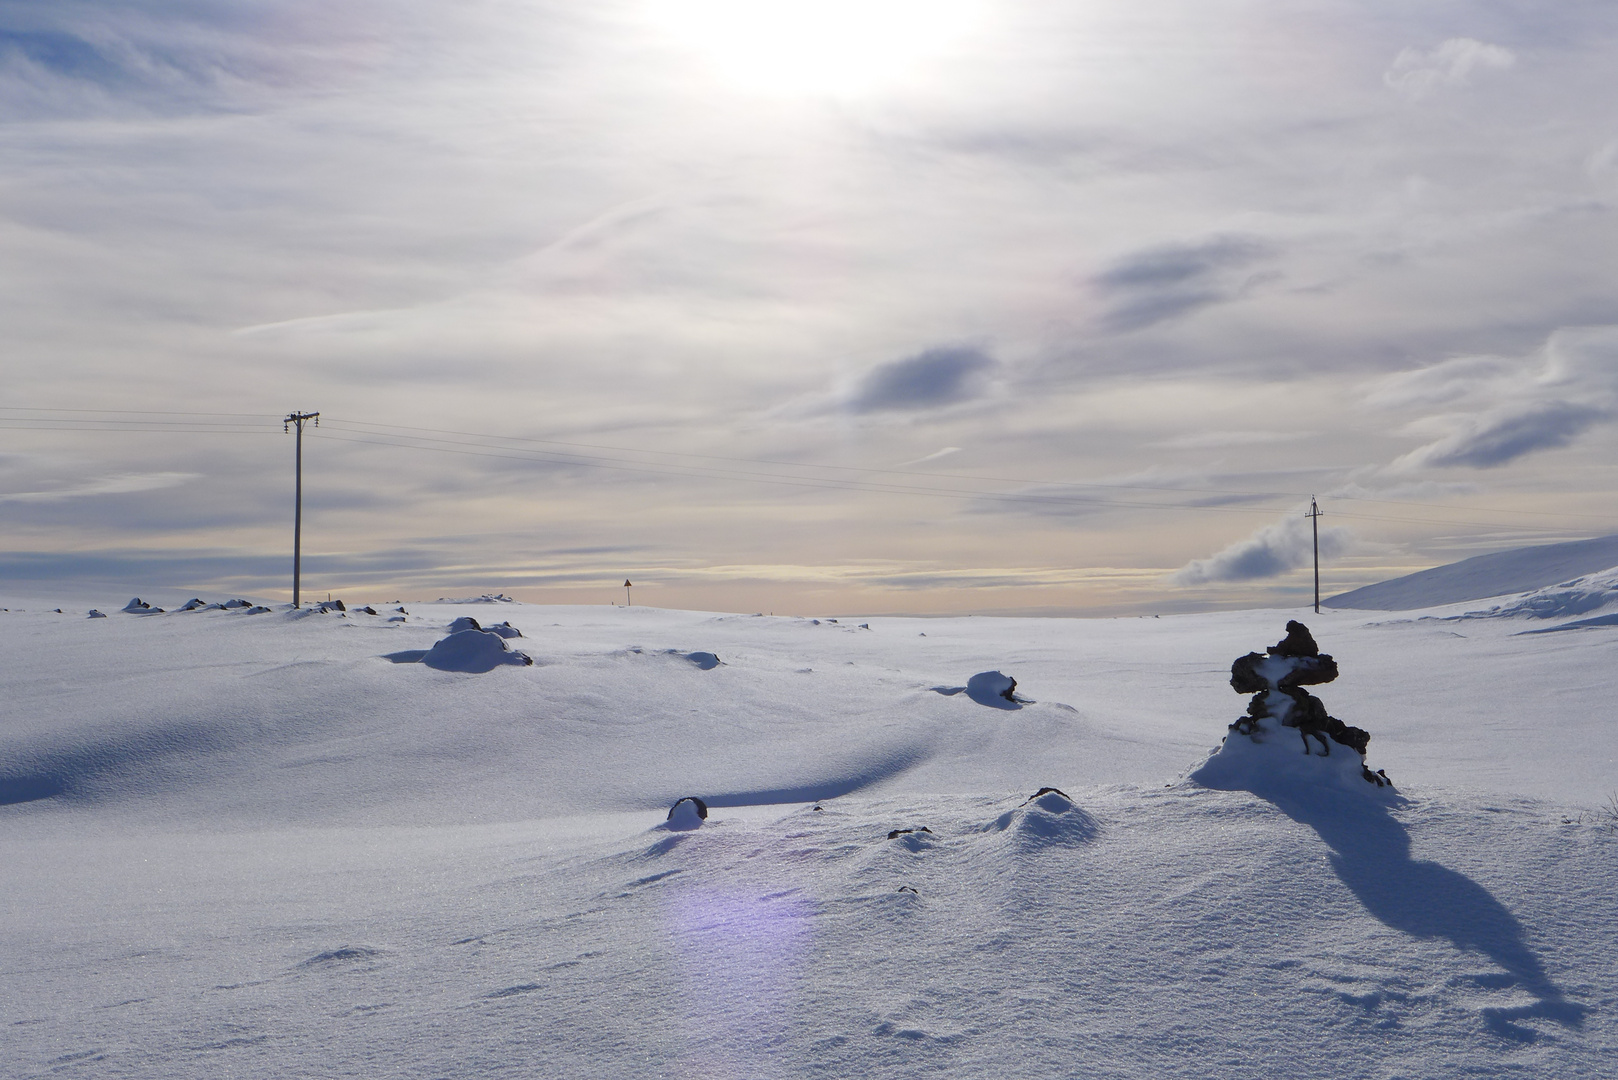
(473, 651)
(993, 688)
(686, 814)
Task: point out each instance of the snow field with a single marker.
(271, 852)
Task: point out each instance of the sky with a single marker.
(804, 307)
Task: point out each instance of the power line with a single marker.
(401, 432)
(825, 483)
(481, 445)
(129, 412)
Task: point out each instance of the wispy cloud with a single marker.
(934, 456)
(1416, 73)
(1503, 410)
(1491, 439)
(1163, 283)
(121, 484)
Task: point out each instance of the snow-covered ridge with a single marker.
(1582, 595)
(1501, 573)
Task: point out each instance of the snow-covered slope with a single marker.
(265, 846)
(1497, 574)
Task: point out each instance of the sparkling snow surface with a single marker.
(252, 845)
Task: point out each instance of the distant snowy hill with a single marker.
(1497, 574)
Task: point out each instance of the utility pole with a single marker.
(298, 418)
(1314, 525)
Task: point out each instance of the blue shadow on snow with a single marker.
(1371, 855)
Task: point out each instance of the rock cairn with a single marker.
(1276, 679)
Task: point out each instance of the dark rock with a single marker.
(896, 833)
(1298, 642)
(1244, 676)
(700, 807)
(1310, 671)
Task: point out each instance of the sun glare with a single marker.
(831, 47)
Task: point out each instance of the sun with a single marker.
(814, 47)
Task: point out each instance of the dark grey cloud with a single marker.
(1496, 438)
(932, 379)
(1164, 283)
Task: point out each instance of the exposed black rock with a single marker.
(1298, 642)
(896, 833)
(701, 807)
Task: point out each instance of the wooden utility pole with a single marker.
(299, 419)
(1314, 525)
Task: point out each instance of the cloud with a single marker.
(1443, 383)
(1510, 407)
(941, 376)
(1414, 490)
(1415, 74)
(934, 456)
(1272, 551)
(1222, 440)
(122, 484)
(1162, 283)
(1495, 438)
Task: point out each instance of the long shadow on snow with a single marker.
(1371, 855)
(857, 777)
(139, 758)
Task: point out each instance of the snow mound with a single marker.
(466, 622)
(137, 606)
(1501, 573)
(1576, 597)
(473, 652)
(992, 688)
(1580, 624)
(707, 661)
(94, 614)
(686, 814)
(1046, 818)
(1270, 760)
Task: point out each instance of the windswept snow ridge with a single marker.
(1577, 597)
(1498, 574)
